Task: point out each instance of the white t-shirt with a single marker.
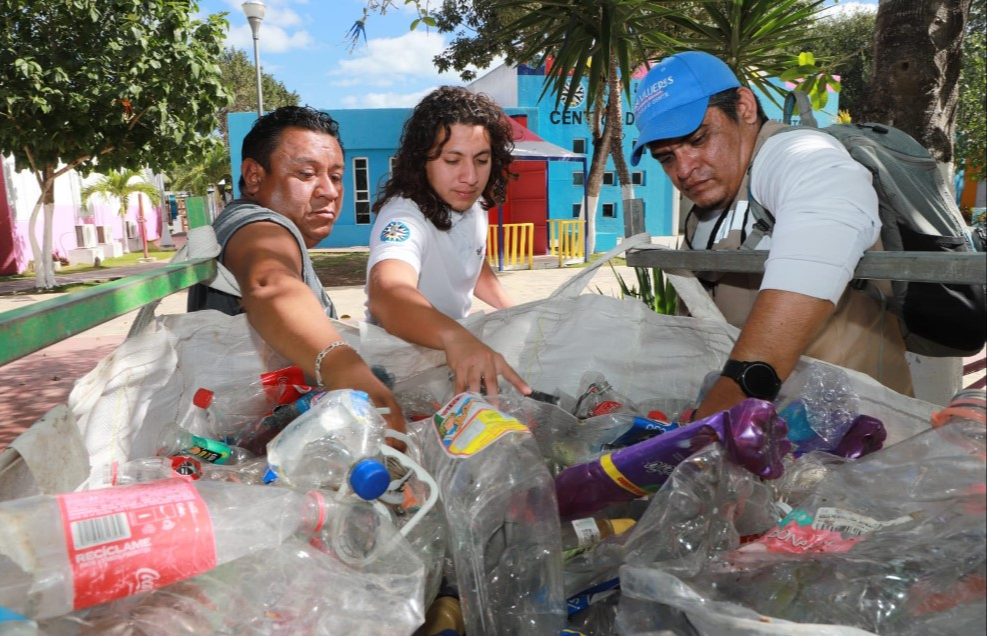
(825, 209)
(448, 263)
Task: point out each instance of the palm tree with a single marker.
(607, 40)
(213, 170)
(120, 186)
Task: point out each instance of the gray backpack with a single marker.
(918, 214)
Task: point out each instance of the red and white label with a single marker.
(132, 539)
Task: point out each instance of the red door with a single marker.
(527, 200)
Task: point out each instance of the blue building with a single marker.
(545, 190)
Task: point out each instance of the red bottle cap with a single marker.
(202, 398)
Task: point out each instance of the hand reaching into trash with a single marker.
(474, 364)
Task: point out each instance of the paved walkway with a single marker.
(29, 387)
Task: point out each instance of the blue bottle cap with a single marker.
(270, 475)
(369, 479)
(10, 616)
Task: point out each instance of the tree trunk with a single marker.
(615, 114)
(44, 268)
(601, 148)
(917, 60)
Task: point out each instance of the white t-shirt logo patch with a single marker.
(395, 232)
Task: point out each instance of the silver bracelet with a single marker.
(322, 355)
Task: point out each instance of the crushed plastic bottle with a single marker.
(499, 505)
(599, 398)
(892, 543)
(291, 589)
(822, 408)
(336, 443)
(60, 553)
(751, 431)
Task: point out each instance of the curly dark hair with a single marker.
(264, 135)
(438, 111)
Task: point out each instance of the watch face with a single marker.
(760, 380)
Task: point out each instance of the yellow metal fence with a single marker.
(519, 245)
(566, 239)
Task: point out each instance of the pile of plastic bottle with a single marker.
(277, 509)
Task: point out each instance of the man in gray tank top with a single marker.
(291, 188)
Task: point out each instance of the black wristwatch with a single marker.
(756, 379)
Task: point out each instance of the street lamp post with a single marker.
(254, 10)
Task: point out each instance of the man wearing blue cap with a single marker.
(715, 143)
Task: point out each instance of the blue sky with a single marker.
(303, 44)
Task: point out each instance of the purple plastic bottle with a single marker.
(751, 431)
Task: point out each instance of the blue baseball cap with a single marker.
(672, 98)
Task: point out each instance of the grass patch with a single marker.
(341, 269)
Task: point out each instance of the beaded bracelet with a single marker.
(322, 355)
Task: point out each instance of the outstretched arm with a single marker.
(265, 260)
(780, 327)
(489, 290)
(394, 300)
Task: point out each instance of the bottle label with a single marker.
(132, 539)
(587, 531)
(829, 530)
(467, 425)
(208, 450)
(606, 462)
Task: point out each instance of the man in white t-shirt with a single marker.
(716, 145)
(428, 243)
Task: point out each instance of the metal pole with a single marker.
(260, 92)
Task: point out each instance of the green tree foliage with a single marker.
(240, 79)
(971, 121)
(124, 83)
(845, 48)
(197, 177)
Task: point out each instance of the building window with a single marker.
(577, 178)
(610, 210)
(576, 208)
(361, 190)
(637, 178)
(579, 146)
(609, 178)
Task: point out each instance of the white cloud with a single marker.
(386, 61)
(846, 8)
(273, 39)
(385, 100)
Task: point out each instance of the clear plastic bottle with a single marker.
(256, 437)
(502, 514)
(59, 553)
(144, 469)
(236, 405)
(176, 440)
(335, 443)
(967, 404)
(751, 431)
(600, 398)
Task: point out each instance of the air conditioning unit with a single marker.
(132, 230)
(85, 235)
(104, 234)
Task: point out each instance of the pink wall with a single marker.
(63, 236)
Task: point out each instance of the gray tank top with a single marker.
(234, 217)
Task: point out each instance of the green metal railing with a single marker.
(28, 329)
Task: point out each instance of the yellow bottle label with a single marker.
(614, 473)
(467, 425)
